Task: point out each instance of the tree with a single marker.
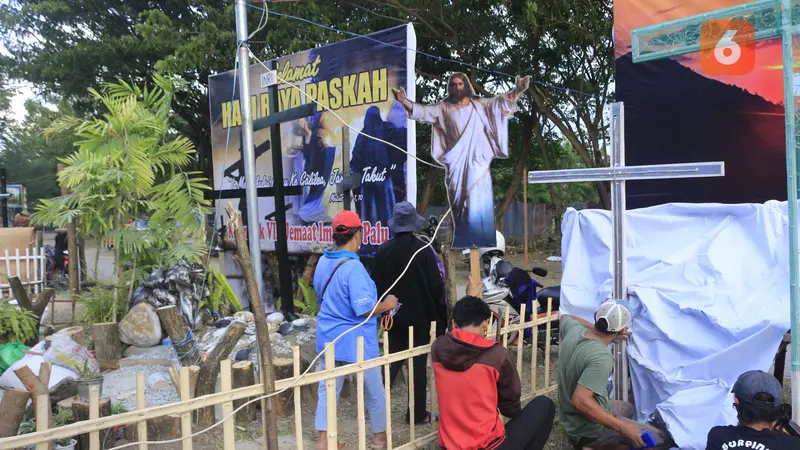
(28, 157)
(130, 162)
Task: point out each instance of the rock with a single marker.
(244, 316)
(141, 326)
(158, 381)
(242, 355)
(285, 329)
(273, 327)
(303, 322)
(275, 318)
(300, 327)
(274, 337)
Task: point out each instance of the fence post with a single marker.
(387, 375)
(298, 400)
(186, 418)
(330, 397)
(362, 432)
(534, 349)
(547, 344)
(505, 326)
(410, 384)
(229, 435)
(94, 414)
(140, 405)
(432, 378)
(42, 419)
(521, 338)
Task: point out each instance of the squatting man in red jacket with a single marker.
(474, 378)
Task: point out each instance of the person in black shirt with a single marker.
(420, 294)
(758, 402)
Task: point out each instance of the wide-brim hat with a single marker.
(405, 218)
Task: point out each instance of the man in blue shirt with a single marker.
(347, 296)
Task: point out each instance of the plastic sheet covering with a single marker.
(182, 285)
(709, 294)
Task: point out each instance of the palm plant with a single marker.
(130, 161)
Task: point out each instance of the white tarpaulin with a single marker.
(709, 291)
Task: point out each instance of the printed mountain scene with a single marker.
(677, 113)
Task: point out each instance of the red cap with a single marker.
(346, 219)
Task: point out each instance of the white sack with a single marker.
(709, 289)
(9, 379)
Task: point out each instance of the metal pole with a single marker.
(4, 201)
(248, 149)
(346, 197)
(282, 242)
(787, 38)
(619, 289)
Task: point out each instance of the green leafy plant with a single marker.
(118, 408)
(61, 417)
(309, 304)
(17, 325)
(130, 161)
(99, 304)
(220, 293)
(86, 373)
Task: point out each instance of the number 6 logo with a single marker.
(727, 47)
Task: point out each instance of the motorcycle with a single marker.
(487, 253)
(508, 285)
(56, 276)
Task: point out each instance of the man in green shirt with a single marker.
(585, 363)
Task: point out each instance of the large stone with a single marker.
(141, 326)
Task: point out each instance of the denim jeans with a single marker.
(375, 399)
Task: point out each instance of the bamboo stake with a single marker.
(411, 386)
(94, 414)
(298, 401)
(387, 375)
(229, 434)
(267, 370)
(525, 213)
(140, 405)
(534, 353)
(505, 326)
(43, 417)
(330, 392)
(362, 432)
(186, 418)
(547, 344)
(434, 399)
(521, 338)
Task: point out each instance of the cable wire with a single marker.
(438, 58)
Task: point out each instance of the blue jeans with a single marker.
(373, 391)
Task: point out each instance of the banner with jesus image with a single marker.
(468, 133)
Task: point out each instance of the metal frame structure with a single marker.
(618, 174)
(770, 19)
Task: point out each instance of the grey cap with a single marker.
(405, 218)
(615, 314)
(754, 382)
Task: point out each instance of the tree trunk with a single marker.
(519, 170)
(162, 428)
(12, 411)
(308, 277)
(172, 321)
(82, 257)
(427, 194)
(74, 333)
(107, 346)
(450, 259)
(243, 376)
(269, 405)
(36, 386)
(207, 380)
(554, 195)
(80, 410)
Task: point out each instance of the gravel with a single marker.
(120, 386)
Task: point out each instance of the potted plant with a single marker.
(87, 379)
(61, 417)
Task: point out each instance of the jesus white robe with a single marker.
(465, 140)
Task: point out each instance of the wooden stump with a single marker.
(37, 386)
(162, 428)
(81, 412)
(207, 380)
(107, 346)
(74, 333)
(243, 376)
(172, 321)
(12, 411)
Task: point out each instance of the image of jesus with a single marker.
(468, 132)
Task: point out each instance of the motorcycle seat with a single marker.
(553, 292)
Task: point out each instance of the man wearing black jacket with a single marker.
(420, 295)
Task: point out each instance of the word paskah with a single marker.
(374, 234)
(340, 92)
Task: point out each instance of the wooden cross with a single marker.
(770, 19)
(618, 174)
(273, 121)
